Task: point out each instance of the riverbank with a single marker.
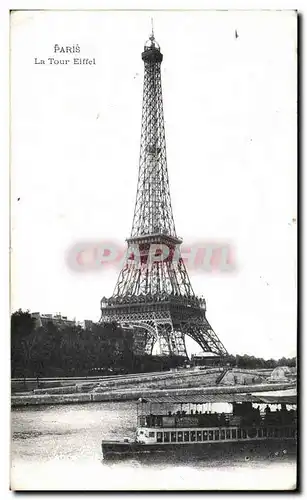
(134, 395)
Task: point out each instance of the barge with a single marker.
(187, 426)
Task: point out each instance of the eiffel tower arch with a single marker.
(153, 293)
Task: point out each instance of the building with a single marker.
(88, 324)
(56, 319)
(205, 359)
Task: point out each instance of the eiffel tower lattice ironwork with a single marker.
(153, 293)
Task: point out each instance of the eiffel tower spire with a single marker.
(153, 209)
(153, 292)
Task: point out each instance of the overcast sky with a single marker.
(230, 116)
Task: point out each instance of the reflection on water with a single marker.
(58, 447)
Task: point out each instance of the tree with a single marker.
(22, 341)
(22, 324)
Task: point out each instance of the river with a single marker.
(58, 448)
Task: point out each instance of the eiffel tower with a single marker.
(153, 293)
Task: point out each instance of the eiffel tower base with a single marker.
(165, 328)
(151, 329)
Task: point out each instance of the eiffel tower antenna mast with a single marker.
(153, 293)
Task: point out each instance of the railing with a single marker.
(221, 376)
(193, 301)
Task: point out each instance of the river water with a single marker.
(58, 448)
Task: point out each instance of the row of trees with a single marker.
(48, 351)
(251, 362)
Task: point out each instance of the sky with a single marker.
(230, 119)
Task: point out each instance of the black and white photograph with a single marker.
(153, 250)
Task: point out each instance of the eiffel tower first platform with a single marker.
(153, 293)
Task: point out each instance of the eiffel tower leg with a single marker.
(145, 336)
(150, 342)
(164, 331)
(171, 342)
(180, 342)
(201, 331)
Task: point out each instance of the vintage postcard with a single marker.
(153, 250)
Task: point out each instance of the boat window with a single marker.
(228, 434)
(244, 434)
(270, 432)
(199, 436)
(259, 433)
(265, 432)
(276, 433)
(159, 437)
(239, 433)
(180, 437)
(186, 436)
(233, 433)
(216, 435)
(223, 434)
(205, 435)
(166, 437)
(173, 437)
(210, 435)
(142, 421)
(151, 434)
(193, 435)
